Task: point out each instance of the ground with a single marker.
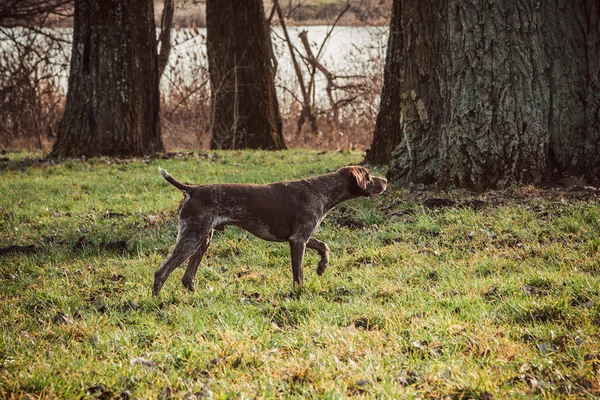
(445, 294)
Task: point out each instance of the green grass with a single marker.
(455, 303)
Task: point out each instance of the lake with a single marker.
(350, 51)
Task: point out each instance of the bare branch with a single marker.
(306, 104)
(330, 31)
(328, 75)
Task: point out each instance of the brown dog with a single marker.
(288, 211)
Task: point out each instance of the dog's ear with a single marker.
(358, 174)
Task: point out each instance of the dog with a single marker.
(287, 211)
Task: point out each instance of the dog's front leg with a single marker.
(297, 249)
(323, 251)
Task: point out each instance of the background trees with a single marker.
(245, 108)
(31, 60)
(476, 94)
(33, 94)
(113, 99)
(498, 92)
(30, 12)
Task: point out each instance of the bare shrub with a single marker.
(186, 106)
(344, 96)
(186, 114)
(33, 62)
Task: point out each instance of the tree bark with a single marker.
(416, 158)
(498, 92)
(496, 132)
(112, 105)
(387, 134)
(245, 109)
(572, 47)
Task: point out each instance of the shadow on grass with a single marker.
(82, 244)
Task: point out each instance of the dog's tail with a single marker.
(172, 181)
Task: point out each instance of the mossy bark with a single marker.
(113, 101)
(244, 108)
(498, 92)
(416, 158)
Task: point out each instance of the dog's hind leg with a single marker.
(190, 273)
(188, 240)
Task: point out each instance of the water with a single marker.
(358, 52)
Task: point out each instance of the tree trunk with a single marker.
(498, 92)
(387, 134)
(164, 39)
(572, 35)
(112, 105)
(245, 109)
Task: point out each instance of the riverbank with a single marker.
(300, 12)
(297, 12)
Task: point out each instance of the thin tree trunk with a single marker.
(112, 105)
(312, 60)
(241, 74)
(388, 132)
(164, 39)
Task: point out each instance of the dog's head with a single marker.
(361, 182)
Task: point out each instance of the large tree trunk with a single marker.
(112, 103)
(388, 134)
(498, 92)
(245, 109)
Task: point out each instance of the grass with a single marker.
(501, 301)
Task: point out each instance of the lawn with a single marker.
(492, 298)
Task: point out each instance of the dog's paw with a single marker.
(189, 285)
(321, 268)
